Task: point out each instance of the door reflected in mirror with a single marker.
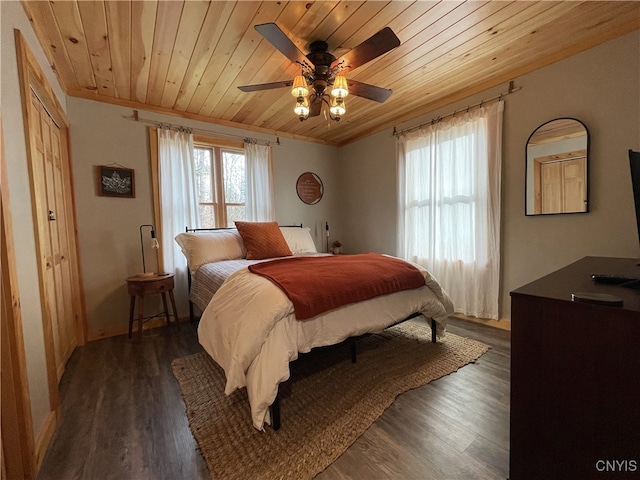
(557, 156)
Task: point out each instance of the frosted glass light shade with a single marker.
(302, 107)
(338, 109)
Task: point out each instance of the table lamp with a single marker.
(154, 244)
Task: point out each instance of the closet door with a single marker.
(52, 187)
(564, 189)
(574, 192)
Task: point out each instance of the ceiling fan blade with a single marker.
(265, 86)
(272, 33)
(315, 107)
(371, 92)
(376, 45)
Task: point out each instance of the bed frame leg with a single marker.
(275, 413)
(275, 406)
(433, 331)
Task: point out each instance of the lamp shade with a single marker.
(299, 87)
(340, 87)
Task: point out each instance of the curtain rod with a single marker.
(511, 90)
(136, 118)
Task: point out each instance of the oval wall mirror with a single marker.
(557, 156)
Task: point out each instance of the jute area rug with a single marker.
(326, 405)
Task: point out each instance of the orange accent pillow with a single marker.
(263, 240)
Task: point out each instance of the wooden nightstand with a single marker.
(140, 286)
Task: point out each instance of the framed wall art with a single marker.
(116, 181)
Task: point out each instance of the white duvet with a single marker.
(250, 330)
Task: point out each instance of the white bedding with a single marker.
(209, 277)
(250, 330)
(206, 281)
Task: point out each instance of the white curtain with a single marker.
(178, 202)
(260, 198)
(449, 205)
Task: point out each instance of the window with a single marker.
(444, 195)
(233, 182)
(221, 184)
(449, 206)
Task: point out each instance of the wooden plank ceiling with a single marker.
(189, 57)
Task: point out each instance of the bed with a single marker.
(248, 323)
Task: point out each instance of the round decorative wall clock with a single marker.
(309, 188)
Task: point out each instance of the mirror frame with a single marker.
(587, 169)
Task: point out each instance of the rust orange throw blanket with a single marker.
(319, 284)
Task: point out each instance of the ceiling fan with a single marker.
(322, 71)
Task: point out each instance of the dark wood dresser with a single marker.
(575, 376)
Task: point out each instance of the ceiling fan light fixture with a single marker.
(340, 87)
(300, 88)
(321, 80)
(302, 108)
(337, 109)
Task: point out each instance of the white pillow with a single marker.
(299, 239)
(206, 247)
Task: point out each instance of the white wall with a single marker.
(368, 185)
(600, 87)
(13, 17)
(108, 228)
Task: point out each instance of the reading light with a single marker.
(154, 244)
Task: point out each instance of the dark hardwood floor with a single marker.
(122, 417)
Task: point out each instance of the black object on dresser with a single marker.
(575, 376)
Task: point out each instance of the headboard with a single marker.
(213, 229)
(208, 247)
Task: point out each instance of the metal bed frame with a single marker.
(275, 406)
(213, 229)
(190, 230)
